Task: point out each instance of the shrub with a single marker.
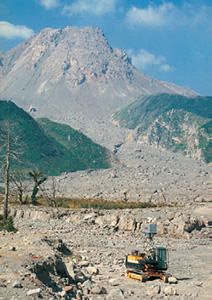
(9, 226)
(2, 190)
(102, 204)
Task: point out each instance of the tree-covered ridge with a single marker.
(177, 123)
(147, 108)
(43, 151)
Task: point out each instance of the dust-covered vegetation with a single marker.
(102, 204)
(174, 122)
(148, 108)
(77, 203)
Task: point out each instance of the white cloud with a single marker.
(189, 14)
(152, 15)
(50, 3)
(97, 7)
(143, 60)
(165, 68)
(11, 31)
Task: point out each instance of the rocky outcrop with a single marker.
(170, 222)
(50, 271)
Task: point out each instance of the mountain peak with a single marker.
(78, 68)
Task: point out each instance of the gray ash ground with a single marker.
(36, 260)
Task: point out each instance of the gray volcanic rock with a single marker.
(74, 74)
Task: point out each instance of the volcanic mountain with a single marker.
(74, 76)
(73, 72)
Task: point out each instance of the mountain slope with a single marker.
(74, 74)
(49, 153)
(81, 147)
(173, 122)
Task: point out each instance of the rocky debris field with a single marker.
(80, 254)
(147, 175)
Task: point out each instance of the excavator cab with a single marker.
(160, 255)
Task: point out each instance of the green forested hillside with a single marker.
(174, 122)
(80, 146)
(147, 108)
(41, 149)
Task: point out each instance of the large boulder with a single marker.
(127, 223)
(116, 294)
(153, 290)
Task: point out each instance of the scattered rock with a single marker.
(78, 295)
(171, 216)
(62, 293)
(87, 285)
(70, 269)
(172, 280)
(92, 270)
(114, 281)
(169, 290)
(3, 283)
(35, 292)
(12, 248)
(68, 289)
(116, 294)
(153, 290)
(84, 263)
(17, 284)
(89, 216)
(98, 290)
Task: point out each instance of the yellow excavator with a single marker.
(153, 264)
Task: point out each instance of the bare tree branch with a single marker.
(19, 179)
(53, 192)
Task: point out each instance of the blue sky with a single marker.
(168, 40)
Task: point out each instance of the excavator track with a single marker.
(137, 276)
(145, 276)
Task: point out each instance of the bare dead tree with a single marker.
(11, 149)
(52, 193)
(19, 179)
(164, 198)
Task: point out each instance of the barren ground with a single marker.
(35, 256)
